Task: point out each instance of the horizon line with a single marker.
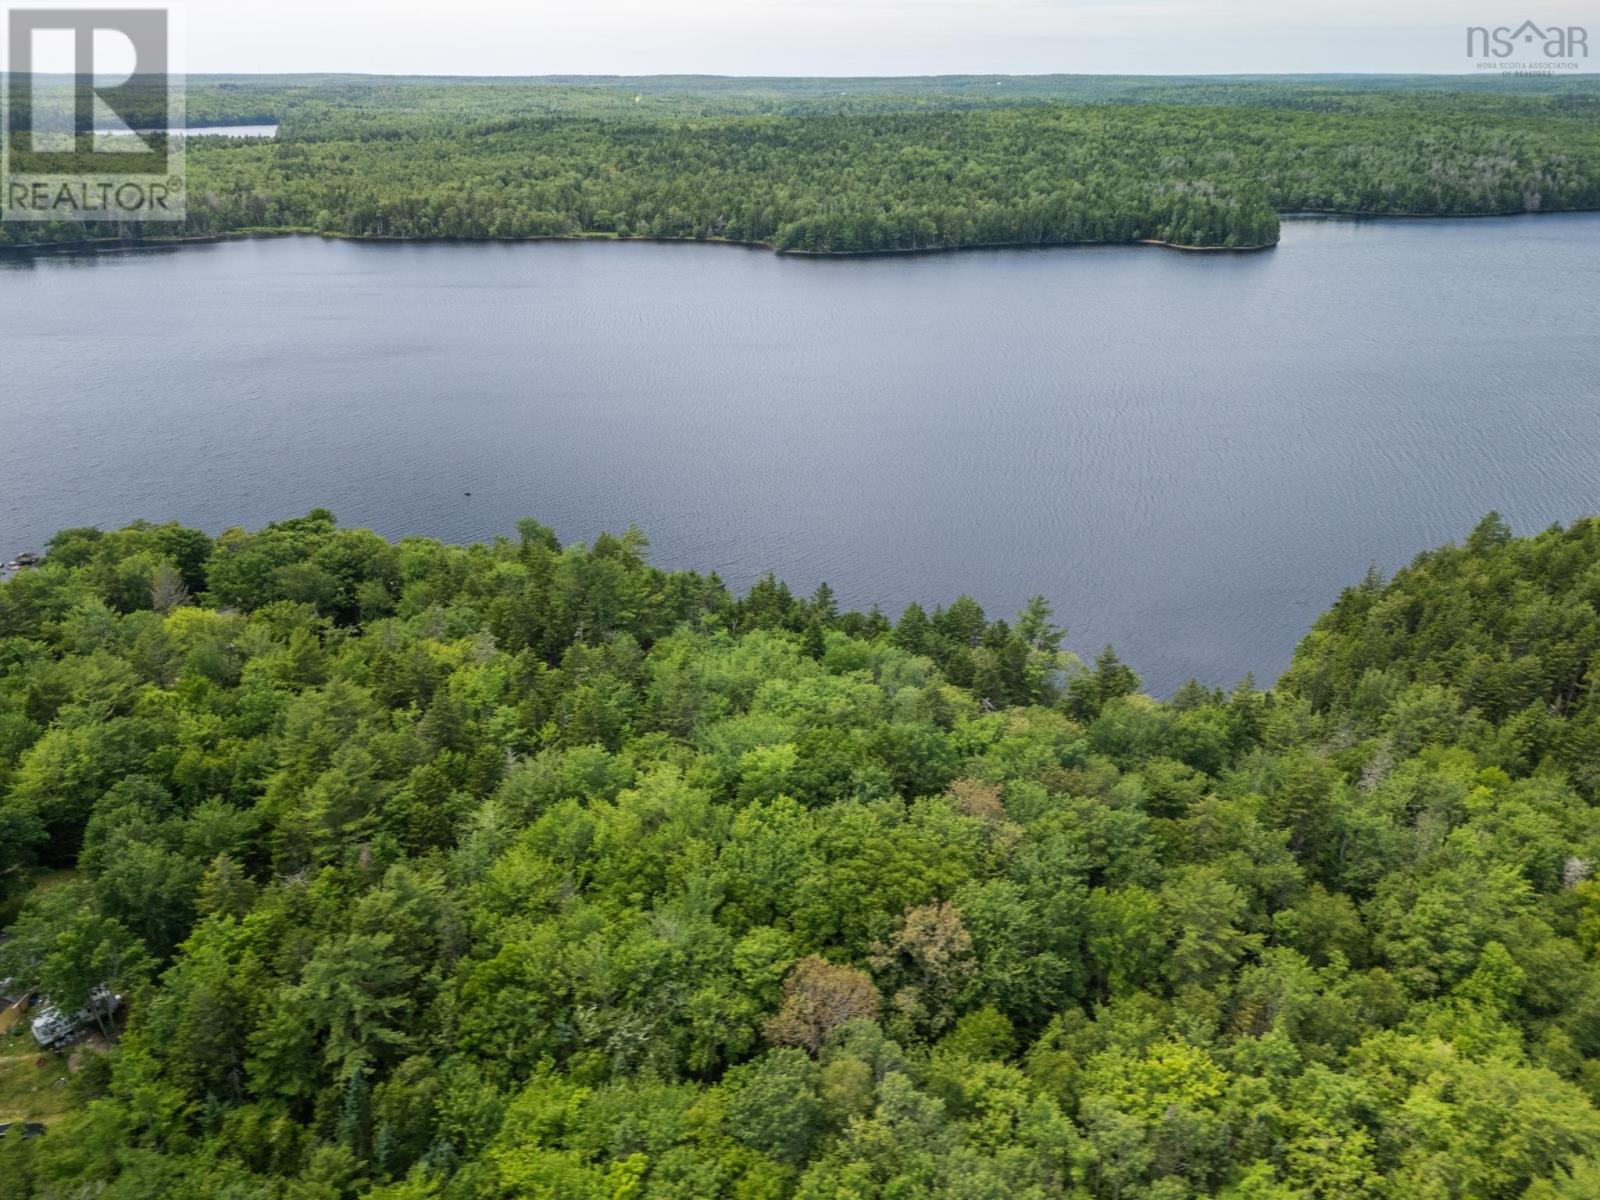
(1480, 76)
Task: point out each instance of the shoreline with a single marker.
(111, 245)
(1349, 214)
(114, 245)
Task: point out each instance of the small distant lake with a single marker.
(241, 131)
(1189, 454)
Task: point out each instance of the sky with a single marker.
(852, 37)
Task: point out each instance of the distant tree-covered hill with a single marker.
(873, 165)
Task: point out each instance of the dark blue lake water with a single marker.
(1189, 454)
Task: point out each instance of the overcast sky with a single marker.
(852, 37)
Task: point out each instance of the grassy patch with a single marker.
(33, 1082)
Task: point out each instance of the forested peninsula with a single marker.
(522, 870)
(869, 166)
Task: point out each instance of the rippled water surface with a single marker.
(1190, 454)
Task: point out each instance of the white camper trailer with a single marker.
(52, 1027)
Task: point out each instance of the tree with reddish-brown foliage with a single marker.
(818, 997)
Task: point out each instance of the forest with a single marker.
(530, 870)
(863, 166)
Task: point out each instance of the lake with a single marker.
(1190, 454)
(244, 131)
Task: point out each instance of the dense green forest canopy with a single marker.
(865, 165)
(529, 870)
